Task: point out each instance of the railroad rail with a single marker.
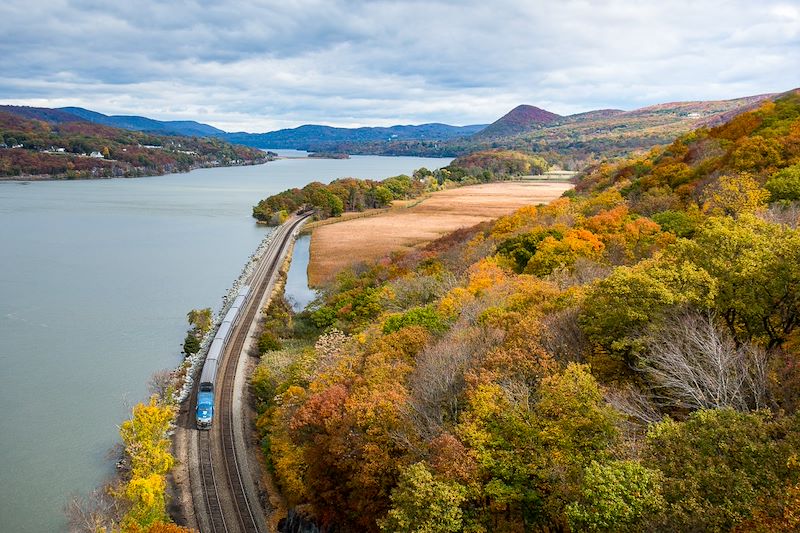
(225, 498)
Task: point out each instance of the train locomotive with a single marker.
(205, 394)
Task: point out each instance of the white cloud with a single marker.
(267, 64)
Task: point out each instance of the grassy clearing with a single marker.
(368, 237)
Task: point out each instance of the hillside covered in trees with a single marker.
(521, 119)
(60, 145)
(622, 359)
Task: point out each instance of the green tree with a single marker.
(785, 185)
(268, 342)
(719, 464)
(679, 223)
(577, 426)
(383, 196)
(421, 173)
(617, 496)
(530, 457)
(619, 308)
(427, 317)
(754, 267)
(504, 439)
(520, 248)
(191, 344)
(422, 504)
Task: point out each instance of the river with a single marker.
(96, 278)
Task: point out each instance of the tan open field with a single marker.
(368, 238)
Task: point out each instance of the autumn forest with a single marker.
(622, 359)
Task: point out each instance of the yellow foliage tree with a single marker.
(484, 275)
(145, 439)
(734, 196)
(148, 500)
(522, 217)
(147, 446)
(553, 253)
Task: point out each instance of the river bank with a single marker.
(181, 488)
(145, 174)
(96, 277)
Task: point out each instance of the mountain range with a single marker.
(571, 140)
(187, 128)
(300, 137)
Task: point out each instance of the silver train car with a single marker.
(204, 413)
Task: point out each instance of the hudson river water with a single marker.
(96, 278)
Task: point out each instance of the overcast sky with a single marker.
(262, 65)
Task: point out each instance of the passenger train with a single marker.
(208, 377)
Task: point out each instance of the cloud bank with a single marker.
(262, 65)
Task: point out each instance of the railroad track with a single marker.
(210, 491)
(224, 485)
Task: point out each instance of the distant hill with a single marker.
(521, 119)
(54, 116)
(570, 141)
(598, 114)
(38, 143)
(188, 128)
(307, 137)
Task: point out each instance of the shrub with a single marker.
(268, 342)
(679, 223)
(427, 317)
(191, 344)
(784, 185)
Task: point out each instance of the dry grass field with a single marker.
(405, 226)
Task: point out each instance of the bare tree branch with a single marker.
(98, 511)
(785, 214)
(633, 403)
(693, 364)
(438, 379)
(160, 383)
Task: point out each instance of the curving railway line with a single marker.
(224, 496)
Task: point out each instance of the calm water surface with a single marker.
(297, 291)
(96, 278)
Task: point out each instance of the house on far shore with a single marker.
(98, 155)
